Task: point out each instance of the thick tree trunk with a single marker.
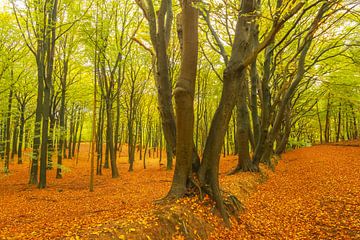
(184, 100)
(232, 82)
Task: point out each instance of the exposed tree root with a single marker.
(250, 168)
(233, 205)
(226, 204)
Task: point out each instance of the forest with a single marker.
(189, 119)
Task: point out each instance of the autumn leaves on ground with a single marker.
(313, 193)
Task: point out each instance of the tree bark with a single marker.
(8, 130)
(21, 135)
(184, 100)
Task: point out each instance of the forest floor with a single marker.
(314, 193)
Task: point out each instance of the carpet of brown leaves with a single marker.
(314, 193)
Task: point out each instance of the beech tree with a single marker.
(247, 78)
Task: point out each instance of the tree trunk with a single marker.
(8, 130)
(232, 82)
(76, 130)
(21, 135)
(339, 125)
(169, 157)
(320, 125)
(15, 139)
(61, 128)
(51, 143)
(110, 138)
(38, 115)
(327, 121)
(79, 140)
(243, 121)
(100, 140)
(71, 136)
(356, 132)
(184, 100)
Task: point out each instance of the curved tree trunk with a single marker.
(232, 80)
(184, 99)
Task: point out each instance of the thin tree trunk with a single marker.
(76, 124)
(327, 121)
(21, 135)
(15, 139)
(339, 125)
(8, 130)
(320, 125)
(61, 129)
(79, 140)
(72, 127)
(51, 143)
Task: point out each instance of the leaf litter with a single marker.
(314, 193)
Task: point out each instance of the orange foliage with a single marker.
(314, 193)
